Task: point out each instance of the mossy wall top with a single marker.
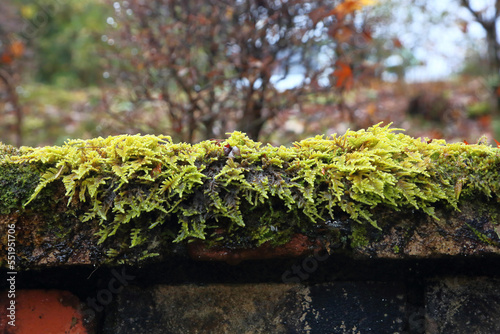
(240, 190)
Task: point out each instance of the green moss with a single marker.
(359, 236)
(7, 150)
(481, 236)
(132, 186)
(17, 181)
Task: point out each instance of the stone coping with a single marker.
(142, 199)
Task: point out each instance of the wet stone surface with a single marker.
(336, 295)
(463, 306)
(261, 308)
(356, 307)
(341, 307)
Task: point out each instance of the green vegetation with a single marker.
(68, 40)
(16, 181)
(48, 121)
(242, 193)
(479, 109)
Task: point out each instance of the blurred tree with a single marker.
(52, 41)
(66, 39)
(456, 19)
(12, 49)
(487, 16)
(213, 66)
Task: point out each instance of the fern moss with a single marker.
(133, 185)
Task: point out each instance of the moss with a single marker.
(359, 236)
(241, 193)
(17, 182)
(481, 236)
(7, 150)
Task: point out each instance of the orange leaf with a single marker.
(343, 73)
(343, 35)
(367, 35)
(463, 25)
(16, 49)
(496, 141)
(318, 15)
(397, 43)
(346, 7)
(350, 6)
(484, 120)
(229, 12)
(5, 59)
(371, 109)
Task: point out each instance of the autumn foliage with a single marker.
(197, 69)
(13, 51)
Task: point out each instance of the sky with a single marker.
(441, 46)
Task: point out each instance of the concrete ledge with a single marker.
(142, 199)
(472, 231)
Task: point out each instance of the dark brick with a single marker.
(463, 306)
(356, 307)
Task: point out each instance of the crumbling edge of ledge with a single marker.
(472, 231)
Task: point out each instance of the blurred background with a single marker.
(280, 71)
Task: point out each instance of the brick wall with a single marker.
(317, 294)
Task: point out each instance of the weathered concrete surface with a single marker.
(463, 306)
(342, 307)
(472, 231)
(263, 308)
(136, 199)
(38, 244)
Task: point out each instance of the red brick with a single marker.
(43, 312)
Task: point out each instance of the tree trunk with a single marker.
(14, 100)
